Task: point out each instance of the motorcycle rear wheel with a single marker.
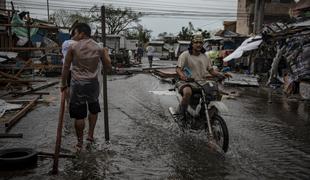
(220, 131)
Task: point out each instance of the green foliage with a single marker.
(117, 19)
(186, 33)
(143, 35)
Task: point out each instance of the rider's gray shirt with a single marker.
(199, 65)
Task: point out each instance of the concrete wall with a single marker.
(274, 11)
(243, 17)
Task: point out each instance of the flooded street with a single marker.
(267, 140)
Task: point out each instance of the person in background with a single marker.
(150, 54)
(139, 53)
(84, 57)
(64, 49)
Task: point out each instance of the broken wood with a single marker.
(35, 89)
(24, 93)
(6, 135)
(59, 133)
(20, 71)
(23, 101)
(19, 81)
(8, 76)
(13, 120)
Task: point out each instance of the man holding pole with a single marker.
(84, 57)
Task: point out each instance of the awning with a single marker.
(249, 44)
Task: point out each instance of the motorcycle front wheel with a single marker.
(220, 132)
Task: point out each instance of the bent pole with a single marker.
(105, 94)
(59, 133)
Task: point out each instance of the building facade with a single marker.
(2, 4)
(275, 11)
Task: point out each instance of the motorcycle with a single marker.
(203, 113)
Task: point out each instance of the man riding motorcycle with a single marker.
(193, 64)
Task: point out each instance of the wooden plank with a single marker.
(171, 72)
(13, 120)
(23, 101)
(20, 81)
(8, 75)
(24, 93)
(27, 49)
(35, 89)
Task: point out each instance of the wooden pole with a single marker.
(48, 11)
(59, 133)
(105, 94)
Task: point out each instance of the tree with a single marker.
(187, 32)
(162, 35)
(139, 33)
(117, 19)
(204, 33)
(66, 18)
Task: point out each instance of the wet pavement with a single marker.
(267, 140)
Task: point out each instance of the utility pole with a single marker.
(105, 94)
(259, 10)
(48, 11)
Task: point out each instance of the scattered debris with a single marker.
(242, 80)
(13, 120)
(4, 106)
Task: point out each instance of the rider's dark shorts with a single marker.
(182, 84)
(84, 94)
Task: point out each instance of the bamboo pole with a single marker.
(105, 95)
(59, 133)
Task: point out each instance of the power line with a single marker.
(150, 11)
(141, 7)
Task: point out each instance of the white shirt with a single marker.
(65, 47)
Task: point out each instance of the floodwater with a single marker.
(267, 140)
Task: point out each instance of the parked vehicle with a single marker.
(203, 113)
(182, 46)
(160, 52)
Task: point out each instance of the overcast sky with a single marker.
(166, 16)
